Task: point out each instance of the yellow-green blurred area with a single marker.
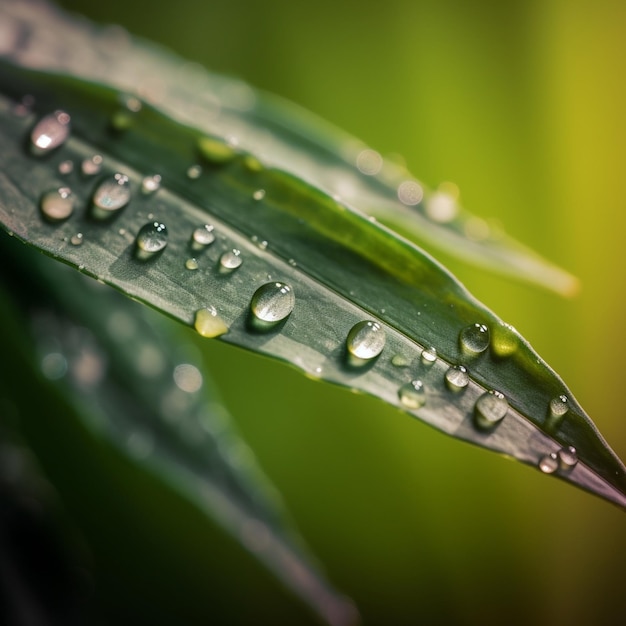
(521, 104)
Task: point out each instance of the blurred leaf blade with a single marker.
(342, 266)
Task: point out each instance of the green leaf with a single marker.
(266, 193)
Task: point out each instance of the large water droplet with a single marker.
(151, 238)
(272, 302)
(457, 378)
(50, 132)
(77, 239)
(208, 323)
(194, 172)
(202, 237)
(490, 409)
(230, 260)
(366, 340)
(412, 395)
(429, 356)
(474, 339)
(57, 205)
(111, 195)
(568, 457)
(549, 463)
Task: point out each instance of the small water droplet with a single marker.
(191, 264)
(91, 165)
(474, 339)
(549, 463)
(194, 172)
(151, 238)
(412, 395)
(441, 207)
(272, 302)
(490, 409)
(559, 406)
(457, 378)
(259, 194)
(366, 340)
(150, 184)
(50, 132)
(429, 355)
(260, 243)
(111, 195)
(208, 323)
(399, 360)
(57, 205)
(66, 167)
(188, 378)
(77, 239)
(369, 162)
(292, 262)
(568, 457)
(231, 260)
(410, 192)
(202, 237)
(215, 150)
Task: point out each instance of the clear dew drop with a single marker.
(399, 360)
(366, 340)
(191, 264)
(150, 184)
(429, 355)
(112, 194)
(490, 409)
(259, 194)
(57, 205)
(568, 457)
(194, 172)
(202, 237)
(549, 463)
(412, 395)
(50, 132)
(272, 302)
(91, 165)
(77, 239)
(208, 323)
(559, 406)
(475, 339)
(152, 237)
(231, 260)
(410, 193)
(457, 378)
(65, 167)
(260, 243)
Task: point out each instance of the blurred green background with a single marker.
(520, 103)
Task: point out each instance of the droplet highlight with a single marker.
(231, 260)
(429, 356)
(77, 239)
(474, 339)
(490, 409)
(273, 302)
(208, 323)
(412, 395)
(549, 463)
(457, 378)
(568, 458)
(50, 132)
(366, 340)
(152, 238)
(57, 205)
(111, 195)
(150, 184)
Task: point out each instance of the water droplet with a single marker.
(559, 406)
(549, 463)
(457, 378)
(272, 302)
(429, 355)
(490, 409)
(260, 243)
(111, 195)
(410, 192)
(292, 262)
(50, 132)
(366, 340)
(194, 172)
(231, 260)
(151, 238)
(369, 162)
(399, 360)
(150, 184)
(66, 167)
(215, 151)
(568, 457)
(188, 378)
(475, 338)
(57, 205)
(412, 395)
(191, 264)
(77, 239)
(252, 164)
(441, 207)
(208, 323)
(259, 194)
(92, 165)
(202, 237)
(505, 341)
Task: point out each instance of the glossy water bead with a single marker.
(272, 302)
(366, 340)
(490, 409)
(152, 237)
(50, 132)
(412, 395)
(475, 338)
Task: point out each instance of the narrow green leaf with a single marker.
(132, 383)
(344, 268)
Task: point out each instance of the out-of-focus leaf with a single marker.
(343, 267)
(138, 387)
